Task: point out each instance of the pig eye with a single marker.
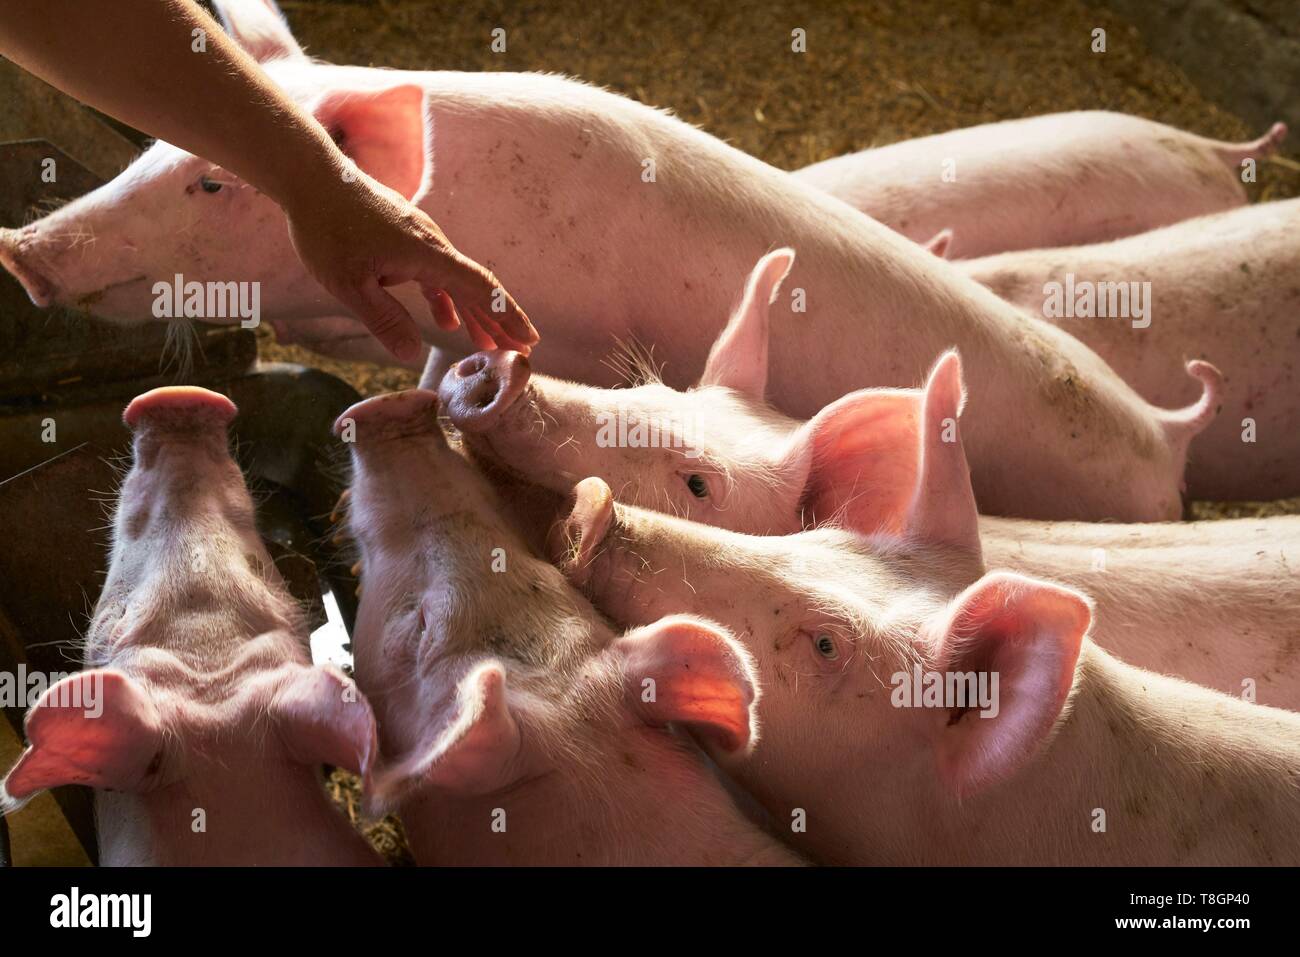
(825, 645)
(697, 486)
(209, 185)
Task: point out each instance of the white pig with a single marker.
(1216, 605)
(199, 719)
(1224, 287)
(518, 728)
(1054, 180)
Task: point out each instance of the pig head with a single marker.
(510, 713)
(118, 251)
(199, 719)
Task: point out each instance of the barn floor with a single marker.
(874, 73)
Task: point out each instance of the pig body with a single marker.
(1056, 180)
(208, 722)
(614, 223)
(510, 714)
(1221, 287)
(1215, 603)
(919, 709)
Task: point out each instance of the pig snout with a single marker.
(395, 415)
(17, 259)
(479, 389)
(181, 408)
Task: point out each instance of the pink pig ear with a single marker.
(890, 461)
(738, 359)
(386, 133)
(938, 243)
(323, 719)
(943, 507)
(1025, 635)
(98, 728)
(477, 752)
(685, 671)
(860, 454)
(259, 27)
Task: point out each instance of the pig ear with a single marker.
(476, 753)
(98, 728)
(384, 131)
(938, 243)
(943, 509)
(860, 454)
(686, 671)
(738, 359)
(1026, 635)
(259, 27)
(573, 541)
(891, 461)
(323, 719)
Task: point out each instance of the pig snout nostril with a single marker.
(484, 392)
(473, 365)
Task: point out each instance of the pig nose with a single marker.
(411, 412)
(477, 390)
(39, 289)
(180, 408)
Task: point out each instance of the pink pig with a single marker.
(615, 223)
(1055, 180)
(199, 719)
(518, 728)
(920, 709)
(1224, 287)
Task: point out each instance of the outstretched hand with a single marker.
(359, 236)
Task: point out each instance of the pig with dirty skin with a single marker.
(719, 454)
(1224, 287)
(602, 249)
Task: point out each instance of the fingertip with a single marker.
(518, 325)
(443, 309)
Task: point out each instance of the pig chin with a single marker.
(126, 302)
(516, 449)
